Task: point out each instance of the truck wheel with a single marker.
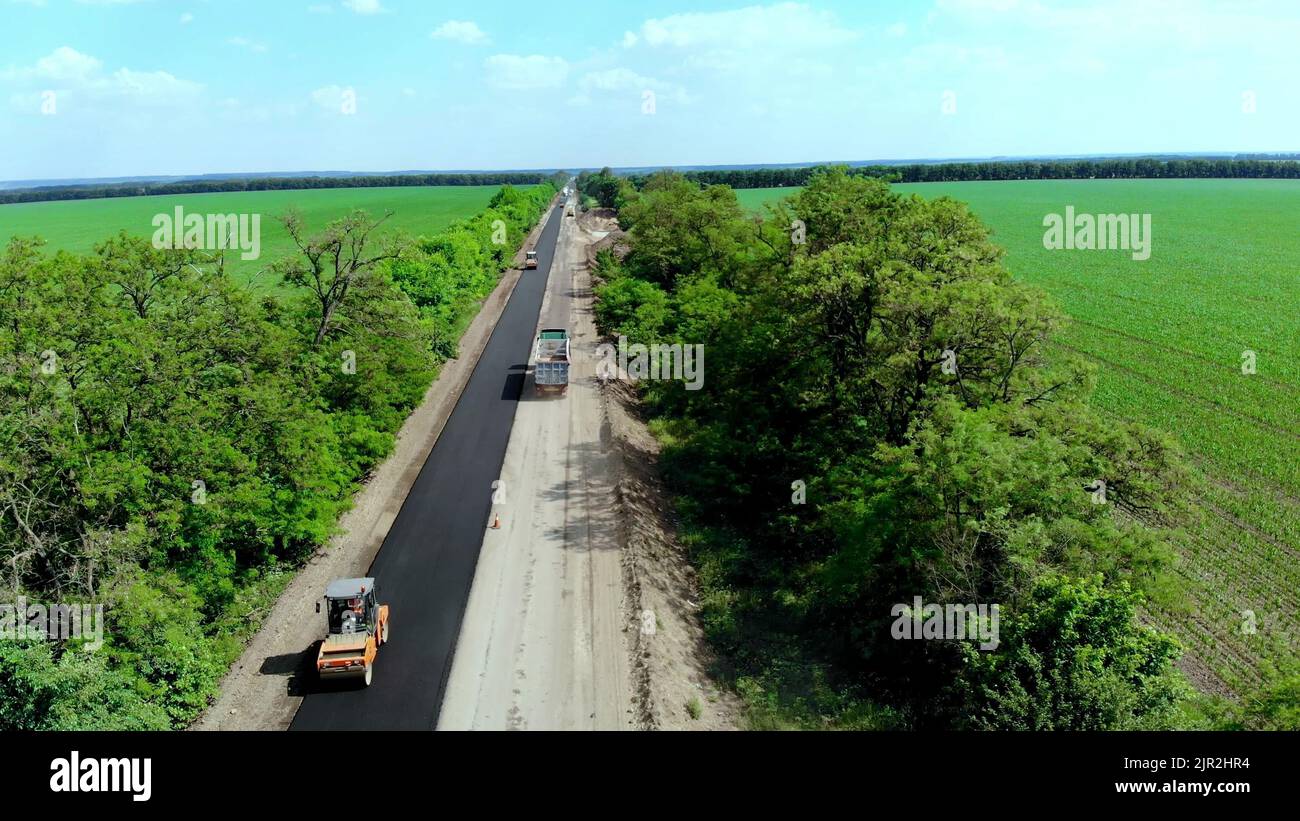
(370, 672)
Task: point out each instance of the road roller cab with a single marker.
(357, 626)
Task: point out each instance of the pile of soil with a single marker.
(602, 225)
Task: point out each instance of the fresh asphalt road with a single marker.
(426, 564)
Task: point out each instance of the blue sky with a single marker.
(124, 87)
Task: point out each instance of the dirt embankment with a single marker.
(672, 688)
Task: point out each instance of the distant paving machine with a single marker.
(551, 373)
(358, 625)
(530, 259)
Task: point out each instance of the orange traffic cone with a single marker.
(496, 522)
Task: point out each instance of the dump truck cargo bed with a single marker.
(551, 370)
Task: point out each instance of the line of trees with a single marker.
(172, 445)
(606, 188)
(879, 422)
(83, 192)
(1124, 168)
(602, 186)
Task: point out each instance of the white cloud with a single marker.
(64, 64)
(514, 71)
(985, 6)
(333, 98)
(896, 30)
(629, 39)
(951, 58)
(187, 18)
(365, 6)
(152, 86)
(615, 79)
(460, 31)
(76, 75)
(785, 26)
(749, 42)
(245, 43)
(624, 81)
(1187, 24)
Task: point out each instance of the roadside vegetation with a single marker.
(1168, 335)
(887, 414)
(173, 445)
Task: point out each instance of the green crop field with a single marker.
(1168, 336)
(76, 225)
